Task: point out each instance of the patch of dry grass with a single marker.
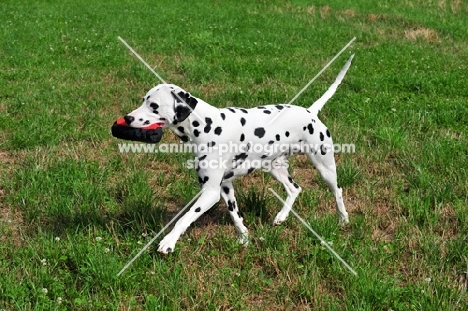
(429, 35)
(11, 220)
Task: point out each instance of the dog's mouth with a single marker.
(153, 126)
(149, 134)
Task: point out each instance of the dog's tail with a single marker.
(318, 105)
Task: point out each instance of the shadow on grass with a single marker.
(253, 204)
(69, 195)
(136, 216)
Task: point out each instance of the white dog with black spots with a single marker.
(195, 121)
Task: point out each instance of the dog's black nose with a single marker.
(129, 119)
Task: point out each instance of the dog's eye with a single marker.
(154, 105)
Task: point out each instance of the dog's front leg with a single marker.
(206, 200)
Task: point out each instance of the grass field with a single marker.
(74, 210)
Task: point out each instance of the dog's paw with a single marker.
(167, 245)
(344, 220)
(280, 218)
(243, 240)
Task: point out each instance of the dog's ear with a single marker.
(183, 106)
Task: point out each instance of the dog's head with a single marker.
(165, 105)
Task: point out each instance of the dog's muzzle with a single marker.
(151, 134)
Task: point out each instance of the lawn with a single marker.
(74, 210)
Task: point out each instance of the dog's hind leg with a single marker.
(292, 189)
(227, 192)
(324, 162)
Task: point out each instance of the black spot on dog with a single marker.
(278, 137)
(239, 159)
(323, 150)
(322, 137)
(211, 144)
(203, 180)
(207, 128)
(195, 123)
(146, 122)
(240, 214)
(304, 128)
(181, 129)
(267, 111)
(169, 250)
(279, 107)
(259, 132)
(244, 110)
(181, 113)
(231, 205)
(290, 179)
(226, 190)
(154, 106)
(264, 156)
(310, 128)
(250, 170)
(187, 98)
(241, 156)
(223, 116)
(242, 137)
(198, 164)
(328, 133)
(218, 130)
(228, 175)
(184, 138)
(271, 142)
(197, 210)
(196, 133)
(261, 107)
(242, 120)
(232, 110)
(296, 185)
(202, 158)
(286, 134)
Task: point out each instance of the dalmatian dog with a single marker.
(264, 127)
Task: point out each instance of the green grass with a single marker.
(74, 210)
